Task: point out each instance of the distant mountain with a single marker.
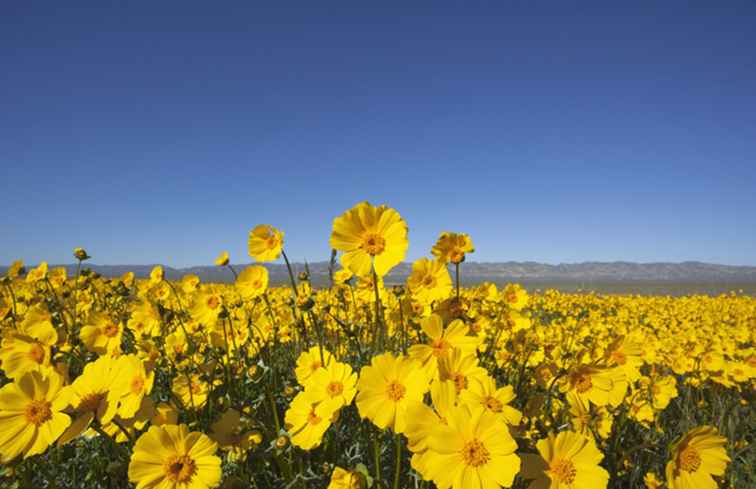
(476, 272)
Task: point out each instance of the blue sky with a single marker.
(557, 132)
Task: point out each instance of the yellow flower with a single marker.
(30, 415)
(452, 247)
(429, 280)
(663, 390)
(81, 254)
(651, 481)
(695, 457)
(134, 383)
(206, 306)
(189, 283)
(92, 395)
(16, 269)
(372, 238)
(599, 385)
(515, 296)
(342, 276)
(422, 420)
(308, 418)
(252, 281)
(566, 460)
(231, 436)
(482, 393)
(28, 348)
(191, 390)
(310, 362)
(102, 334)
(461, 369)
(442, 342)
(334, 381)
(37, 274)
(473, 451)
(222, 259)
(144, 320)
(164, 414)
(585, 420)
(170, 456)
(156, 275)
(345, 479)
(265, 243)
(386, 387)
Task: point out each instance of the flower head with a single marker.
(695, 457)
(252, 281)
(171, 456)
(386, 387)
(566, 460)
(265, 243)
(452, 247)
(222, 259)
(31, 416)
(372, 238)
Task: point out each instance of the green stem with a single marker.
(291, 273)
(379, 323)
(398, 459)
(456, 276)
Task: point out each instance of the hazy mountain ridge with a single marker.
(475, 272)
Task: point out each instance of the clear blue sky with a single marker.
(558, 131)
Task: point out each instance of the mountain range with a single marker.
(476, 272)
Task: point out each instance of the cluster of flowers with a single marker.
(477, 387)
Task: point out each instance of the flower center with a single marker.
(37, 412)
(335, 389)
(428, 281)
(475, 454)
(110, 330)
(619, 358)
(456, 256)
(272, 242)
(395, 391)
(313, 418)
(689, 460)
(37, 353)
(582, 382)
(137, 385)
(440, 347)
(563, 470)
(180, 468)
(494, 404)
(213, 302)
(511, 296)
(91, 402)
(460, 381)
(373, 244)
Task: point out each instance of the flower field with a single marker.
(123, 382)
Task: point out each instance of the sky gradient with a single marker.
(162, 132)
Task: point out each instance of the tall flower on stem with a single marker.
(372, 238)
(265, 243)
(452, 248)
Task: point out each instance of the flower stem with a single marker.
(456, 276)
(398, 459)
